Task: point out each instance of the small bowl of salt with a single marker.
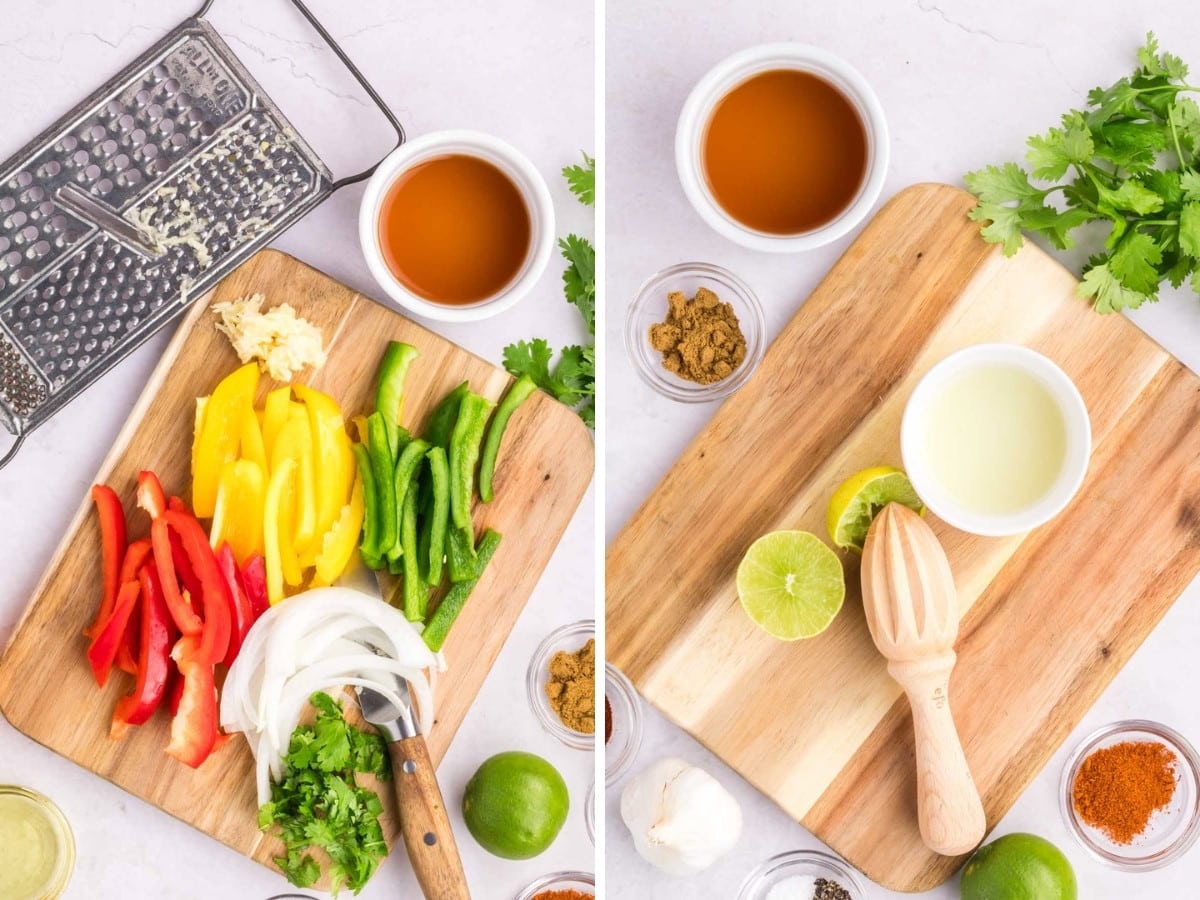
(803, 875)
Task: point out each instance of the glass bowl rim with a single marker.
(623, 761)
(677, 388)
(1188, 758)
(557, 879)
(756, 881)
(535, 683)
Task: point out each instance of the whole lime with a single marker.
(1018, 867)
(515, 805)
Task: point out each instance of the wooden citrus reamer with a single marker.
(909, 599)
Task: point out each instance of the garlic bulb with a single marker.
(681, 818)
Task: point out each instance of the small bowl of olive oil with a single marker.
(996, 439)
(37, 848)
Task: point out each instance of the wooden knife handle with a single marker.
(425, 823)
(948, 806)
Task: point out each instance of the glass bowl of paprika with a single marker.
(561, 683)
(695, 332)
(561, 886)
(1130, 795)
(622, 724)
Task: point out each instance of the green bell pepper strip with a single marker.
(440, 427)
(437, 515)
(438, 627)
(383, 467)
(404, 439)
(460, 555)
(517, 394)
(369, 547)
(389, 395)
(416, 592)
(464, 455)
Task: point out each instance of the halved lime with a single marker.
(861, 497)
(791, 584)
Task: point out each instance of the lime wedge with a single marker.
(861, 497)
(791, 584)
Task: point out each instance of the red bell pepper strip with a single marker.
(150, 496)
(174, 690)
(254, 577)
(178, 505)
(103, 650)
(215, 595)
(240, 613)
(112, 551)
(136, 555)
(179, 605)
(194, 727)
(157, 632)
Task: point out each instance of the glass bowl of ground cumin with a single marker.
(1131, 795)
(561, 683)
(561, 886)
(695, 332)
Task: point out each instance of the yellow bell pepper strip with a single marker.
(437, 515)
(275, 413)
(389, 395)
(341, 540)
(517, 394)
(250, 445)
(416, 591)
(326, 424)
(383, 467)
(464, 454)
(220, 435)
(278, 528)
(369, 547)
(240, 510)
(294, 442)
(198, 428)
(438, 627)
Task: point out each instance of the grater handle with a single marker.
(18, 440)
(358, 76)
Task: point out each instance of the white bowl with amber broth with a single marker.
(996, 439)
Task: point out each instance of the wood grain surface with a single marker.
(1048, 618)
(545, 464)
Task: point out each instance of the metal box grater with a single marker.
(140, 199)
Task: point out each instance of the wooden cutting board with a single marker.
(1048, 618)
(545, 464)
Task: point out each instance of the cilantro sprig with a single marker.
(320, 805)
(1131, 160)
(572, 379)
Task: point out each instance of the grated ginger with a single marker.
(281, 341)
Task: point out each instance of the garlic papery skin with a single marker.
(682, 820)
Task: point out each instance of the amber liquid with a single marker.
(454, 230)
(785, 152)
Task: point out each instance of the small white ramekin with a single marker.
(732, 71)
(1075, 417)
(513, 164)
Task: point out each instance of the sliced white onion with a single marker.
(323, 639)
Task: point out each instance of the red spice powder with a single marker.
(608, 723)
(1119, 788)
(564, 895)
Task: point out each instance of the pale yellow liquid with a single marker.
(29, 848)
(996, 440)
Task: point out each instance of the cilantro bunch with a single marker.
(572, 379)
(319, 803)
(1129, 160)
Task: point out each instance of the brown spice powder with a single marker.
(572, 688)
(564, 895)
(701, 339)
(1119, 788)
(608, 722)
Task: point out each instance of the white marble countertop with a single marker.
(963, 84)
(486, 67)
